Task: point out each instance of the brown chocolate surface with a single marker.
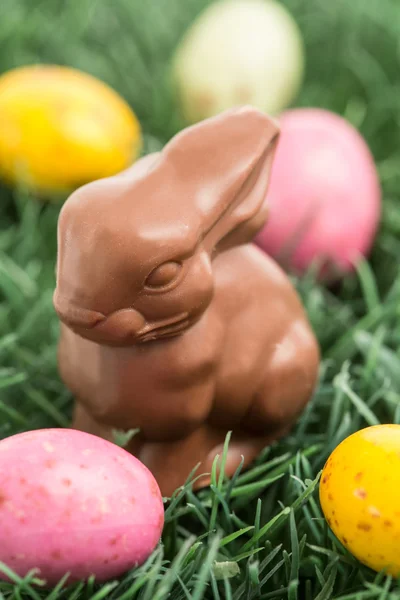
(172, 322)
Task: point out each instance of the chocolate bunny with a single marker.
(172, 322)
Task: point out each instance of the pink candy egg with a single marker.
(72, 502)
(324, 194)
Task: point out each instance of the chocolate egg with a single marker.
(61, 127)
(360, 496)
(239, 52)
(324, 195)
(72, 502)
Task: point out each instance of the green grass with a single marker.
(262, 535)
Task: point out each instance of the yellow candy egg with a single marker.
(360, 496)
(60, 128)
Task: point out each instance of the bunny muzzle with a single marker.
(121, 328)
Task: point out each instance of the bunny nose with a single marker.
(126, 323)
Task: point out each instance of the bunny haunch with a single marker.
(172, 321)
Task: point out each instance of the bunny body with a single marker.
(232, 350)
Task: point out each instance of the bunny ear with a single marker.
(227, 161)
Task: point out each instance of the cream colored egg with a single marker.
(239, 52)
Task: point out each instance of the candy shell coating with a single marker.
(239, 52)
(324, 194)
(360, 496)
(61, 127)
(73, 502)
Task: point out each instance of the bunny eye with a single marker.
(163, 275)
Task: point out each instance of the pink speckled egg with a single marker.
(324, 194)
(72, 502)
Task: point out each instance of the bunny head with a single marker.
(135, 250)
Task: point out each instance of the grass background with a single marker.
(263, 535)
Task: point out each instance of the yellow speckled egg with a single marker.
(60, 128)
(360, 496)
